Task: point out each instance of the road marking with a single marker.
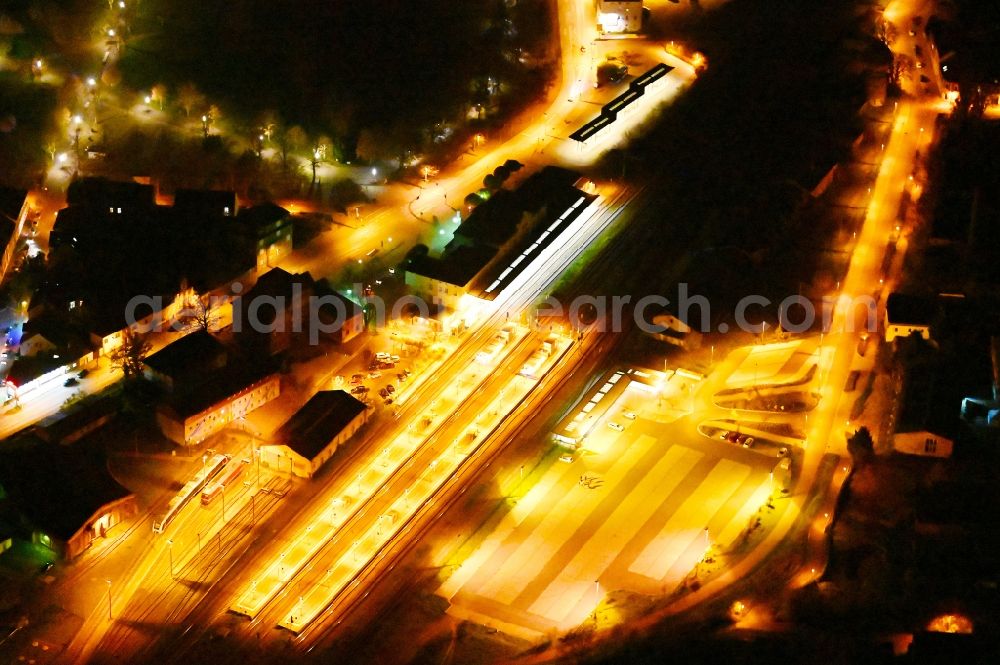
(595, 555)
(567, 512)
(687, 524)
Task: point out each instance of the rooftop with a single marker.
(192, 353)
(931, 398)
(205, 203)
(904, 309)
(458, 267)
(61, 425)
(103, 194)
(279, 282)
(500, 227)
(263, 215)
(11, 202)
(319, 421)
(200, 393)
(57, 488)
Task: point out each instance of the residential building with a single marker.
(312, 435)
(278, 312)
(205, 205)
(619, 15)
(209, 386)
(13, 212)
(194, 355)
(111, 197)
(906, 315)
(269, 226)
(927, 414)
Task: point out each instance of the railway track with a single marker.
(167, 598)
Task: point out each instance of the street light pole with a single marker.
(170, 549)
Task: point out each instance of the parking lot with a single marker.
(634, 508)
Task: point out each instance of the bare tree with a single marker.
(196, 314)
(129, 356)
(318, 155)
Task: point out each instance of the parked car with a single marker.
(616, 427)
(733, 437)
(374, 375)
(71, 381)
(383, 393)
(782, 452)
(83, 373)
(357, 379)
(359, 390)
(725, 435)
(629, 414)
(391, 388)
(748, 442)
(566, 458)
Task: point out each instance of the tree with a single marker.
(317, 156)
(368, 148)
(189, 98)
(158, 94)
(861, 446)
(290, 140)
(129, 356)
(196, 314)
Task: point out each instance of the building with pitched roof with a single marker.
(312, 435)
(66, 496)
(209, 386)
(13, 213)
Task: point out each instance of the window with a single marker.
(930, 446)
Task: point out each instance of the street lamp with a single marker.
(253, 502)
(170, 549)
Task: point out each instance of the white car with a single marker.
(616, 427)
(629, 414)
(566, 458)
